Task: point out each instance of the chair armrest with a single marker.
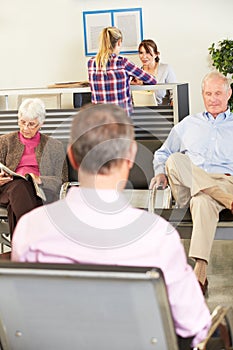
(222, 318)
(65, 186)
(159, 198)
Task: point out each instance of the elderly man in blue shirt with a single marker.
(197, 161)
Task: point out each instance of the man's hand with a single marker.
(4, 178)
(159, 180)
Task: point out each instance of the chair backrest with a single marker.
(70, 306)
(142, 172)
(149, 122)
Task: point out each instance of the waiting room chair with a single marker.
(220, 335)
(70, 306)
(73, 306)
(181, 217)
(140, 175)
(139, 178)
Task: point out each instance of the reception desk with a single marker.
(151, 122)
(41, 92)
(180, 95)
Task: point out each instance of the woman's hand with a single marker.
(5, 178)
(136, 81)
(36, 178)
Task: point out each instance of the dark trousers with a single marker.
(184, 343)
(19, 197)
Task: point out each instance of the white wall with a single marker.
(42, 41)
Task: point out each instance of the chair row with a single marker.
(152, 126)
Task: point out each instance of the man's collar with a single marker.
(220, 116)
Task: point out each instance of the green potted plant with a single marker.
(222, 59)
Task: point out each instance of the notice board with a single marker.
(129, 21)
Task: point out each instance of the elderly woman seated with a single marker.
(28, 151)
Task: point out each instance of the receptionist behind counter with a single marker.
(164, 74)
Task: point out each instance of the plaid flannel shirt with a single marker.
(113, 85)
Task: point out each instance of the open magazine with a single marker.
(28, 177)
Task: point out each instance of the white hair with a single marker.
(216, 74)
(32, 108)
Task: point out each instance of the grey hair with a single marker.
(101, 136)
(216, 74)
(32, 108)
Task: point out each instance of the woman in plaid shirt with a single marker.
(110, 74)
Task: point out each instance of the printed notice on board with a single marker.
(129, 21)
(94, 26)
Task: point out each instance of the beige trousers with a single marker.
(187, 182)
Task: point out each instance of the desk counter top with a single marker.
(63, 90)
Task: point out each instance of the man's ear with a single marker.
(132, 153)
(72, 160)
(229, 94)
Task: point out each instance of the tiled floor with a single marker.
(220, 274)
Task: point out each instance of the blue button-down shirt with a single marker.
(208, 142)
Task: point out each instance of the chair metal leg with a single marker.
(5, 239)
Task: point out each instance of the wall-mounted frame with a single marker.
(129, 21)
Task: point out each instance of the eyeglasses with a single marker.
(29, 125)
